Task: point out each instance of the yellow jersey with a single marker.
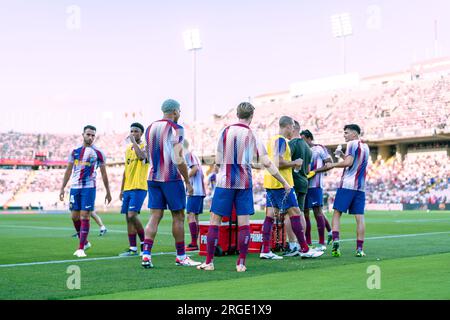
(278, 146)
(136, 170)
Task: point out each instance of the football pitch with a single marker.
(408, 257)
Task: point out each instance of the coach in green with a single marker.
(299, 150)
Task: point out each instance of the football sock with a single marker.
(244, 239)
(321, 228)
(148, 244)
(194, 232)
(308, 229)
(298, 230)
(211, 239)
(267, 230)
(359, 244)
(141, 235)
(132, 239)
(84, 231)
(335, 235)
(180, 249)
(77, 225)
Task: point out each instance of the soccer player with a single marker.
(194, 205)
(99, 222)
(314, 197)
(299, 150)
(84, 162)
(212, 179)
(350, 196)
(134, 187)
(279, 152)
(164, 151)
(237, 147)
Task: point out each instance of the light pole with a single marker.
(341, 27)
(192, 43)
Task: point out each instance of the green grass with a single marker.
(412, 267)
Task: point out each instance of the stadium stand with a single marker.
(406, 124)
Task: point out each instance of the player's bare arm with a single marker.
(65, 180)
(256, 163)
(182, 167)
(325, 167)
(108, 197)
(283, 164)
(348, 162)
(141, 154)
(193, 171)
(122, 186)
(257, 166)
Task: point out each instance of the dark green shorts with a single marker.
(301, 200)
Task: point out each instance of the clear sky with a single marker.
(62, 67)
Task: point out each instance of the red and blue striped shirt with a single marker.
(197, 180)
(354, 177)
(85, 162)
(237, 149)
(319, 155)
(161, 137)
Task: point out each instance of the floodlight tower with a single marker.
(341, 26)
(192, 43)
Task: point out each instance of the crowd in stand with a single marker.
(419, 178)
(390, 111)
(413, 109)
(11, 180)
(25, 146)
(395, 110)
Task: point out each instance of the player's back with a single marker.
(161, 137)
(354, 177)
(236, 149)
(197, 181)
(319, 154)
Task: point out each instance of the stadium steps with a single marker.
(23, 188)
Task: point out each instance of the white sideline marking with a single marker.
(64, 228)
(400, 236)
(173, 253)
(75, 260)
(421, 220)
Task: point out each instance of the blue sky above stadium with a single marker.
(93, 61)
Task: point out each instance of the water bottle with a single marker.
(338, 151)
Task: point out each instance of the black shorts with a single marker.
(301, 200)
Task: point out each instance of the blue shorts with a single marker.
(277, 198)
(223, 200)
(133, 200)
(163, 195)
(351, 200)
(82, 199)
(314, 198)
(194, 204)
